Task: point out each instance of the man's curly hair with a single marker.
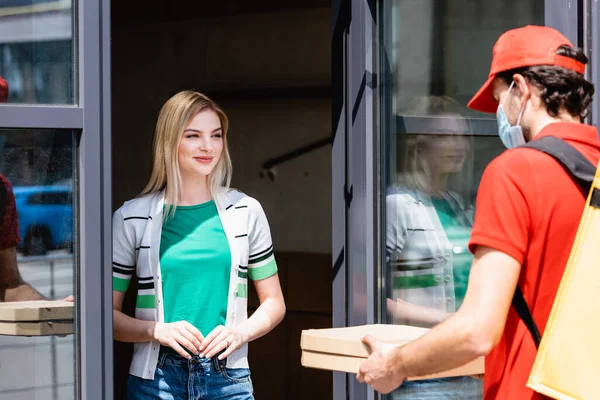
(560, 88)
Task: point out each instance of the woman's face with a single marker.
(447, 147)
(201, 145)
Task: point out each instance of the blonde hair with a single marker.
(408, 160)
(176, 115)
(431, 106)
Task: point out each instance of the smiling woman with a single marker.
(180, 130)
(193, 243)
(201, 146)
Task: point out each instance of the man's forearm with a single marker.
(476, 327)
(470, 333)
(12, 285)
(449, 345)
(23, 292)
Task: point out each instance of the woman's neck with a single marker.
(432, 184)
(194, 191)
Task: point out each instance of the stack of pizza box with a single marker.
(341, 349)
(36, 318)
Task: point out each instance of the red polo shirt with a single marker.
(529, 208)
(9, 226)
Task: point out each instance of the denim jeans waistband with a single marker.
(172, 352)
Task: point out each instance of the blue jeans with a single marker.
(459, 388)
(197, 379)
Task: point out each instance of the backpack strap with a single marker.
(583, 172)
(580, 169)
(522, 309)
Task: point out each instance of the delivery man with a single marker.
(527, 215)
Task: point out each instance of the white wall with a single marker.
(288, 49)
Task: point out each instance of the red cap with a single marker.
(3, 91)
(523, 47)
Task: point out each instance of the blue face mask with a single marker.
(511, 136)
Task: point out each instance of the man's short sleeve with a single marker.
(261, 260)
(9, 224)
(503, 212)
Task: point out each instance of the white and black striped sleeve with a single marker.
(123, 263)
(261, 260)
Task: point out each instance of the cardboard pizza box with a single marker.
(341, 349)
(44, 328)
(38, 310)
(36, 318)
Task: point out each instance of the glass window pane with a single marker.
(37, 168)
(433, 57)
(37, 52)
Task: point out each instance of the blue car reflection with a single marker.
(45, 218)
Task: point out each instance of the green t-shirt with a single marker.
(458, 236)
(195, 261)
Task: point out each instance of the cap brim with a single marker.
(484, 98)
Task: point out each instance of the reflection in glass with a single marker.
(36, 52)
(36, 262)
(433, 56)
(428, 225)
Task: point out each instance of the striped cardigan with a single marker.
(137, 227)
(417, 247)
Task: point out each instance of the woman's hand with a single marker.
(178, 334)
(222, 338)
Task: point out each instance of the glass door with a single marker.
(408, 155)
(55, 211)
(433, 56)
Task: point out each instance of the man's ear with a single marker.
(523, 86)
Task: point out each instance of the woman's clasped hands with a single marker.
(223, 339)
(182, 335)
(179, 336)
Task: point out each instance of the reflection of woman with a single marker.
(428, 228)
(193, 243)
